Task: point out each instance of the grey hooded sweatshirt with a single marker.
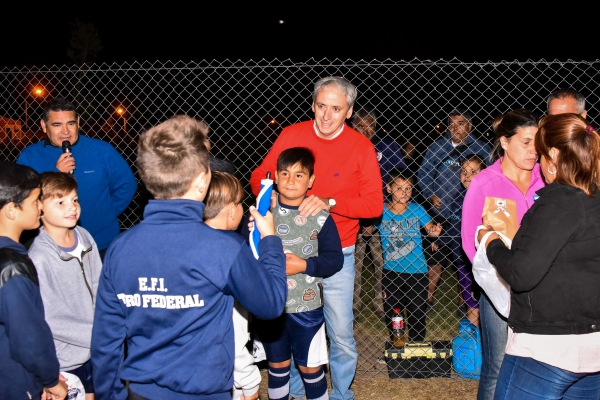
(68, 288)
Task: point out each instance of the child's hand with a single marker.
(294, 264)
(434, 246)
(251, 397)
(434, 230)
(367, 231)
(58, 392)
(265, 225)
(436, 201)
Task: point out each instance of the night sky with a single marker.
(226, 31)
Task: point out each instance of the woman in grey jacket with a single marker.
(553, 348)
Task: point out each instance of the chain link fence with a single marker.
(246, 104)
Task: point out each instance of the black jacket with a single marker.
(553, 266)
(27, 354)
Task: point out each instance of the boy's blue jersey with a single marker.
(401, 239)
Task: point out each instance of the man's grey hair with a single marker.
(342, 84)
(364, 113)
(462, 112)
(568, 93)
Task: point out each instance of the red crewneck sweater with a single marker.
(346, 169)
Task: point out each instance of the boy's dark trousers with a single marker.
(408, 292)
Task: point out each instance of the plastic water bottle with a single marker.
(466, 350)
(398, 331)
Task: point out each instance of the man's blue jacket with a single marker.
(439, 173)
(106, 183)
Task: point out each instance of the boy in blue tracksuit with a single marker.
(167, 285)
(28, 362)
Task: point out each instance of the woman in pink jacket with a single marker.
(514, 175)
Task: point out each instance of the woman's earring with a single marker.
(550, 172)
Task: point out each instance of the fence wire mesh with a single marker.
(246, 104)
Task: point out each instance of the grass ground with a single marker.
(372, 379)
(382, 388)
(371, 333)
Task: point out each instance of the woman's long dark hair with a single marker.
(507, 125)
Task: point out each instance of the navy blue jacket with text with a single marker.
(167, 289)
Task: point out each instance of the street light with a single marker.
(121, 112)
(38, 91)
(270, 128)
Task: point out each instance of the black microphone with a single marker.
(66, 148)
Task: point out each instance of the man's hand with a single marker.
(265, 225)
(58, 392)
(65, 163)
(312, 205)
(294, 264)
(436, 202)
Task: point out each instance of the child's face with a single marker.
(29, 211)
(293, 183)
(401, 191)
(61, 212)
(468, 170)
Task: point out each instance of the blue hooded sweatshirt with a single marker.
(167, 289)
(27, 354)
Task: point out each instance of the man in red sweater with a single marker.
(348, 184)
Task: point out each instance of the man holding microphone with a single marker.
(106, 183)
